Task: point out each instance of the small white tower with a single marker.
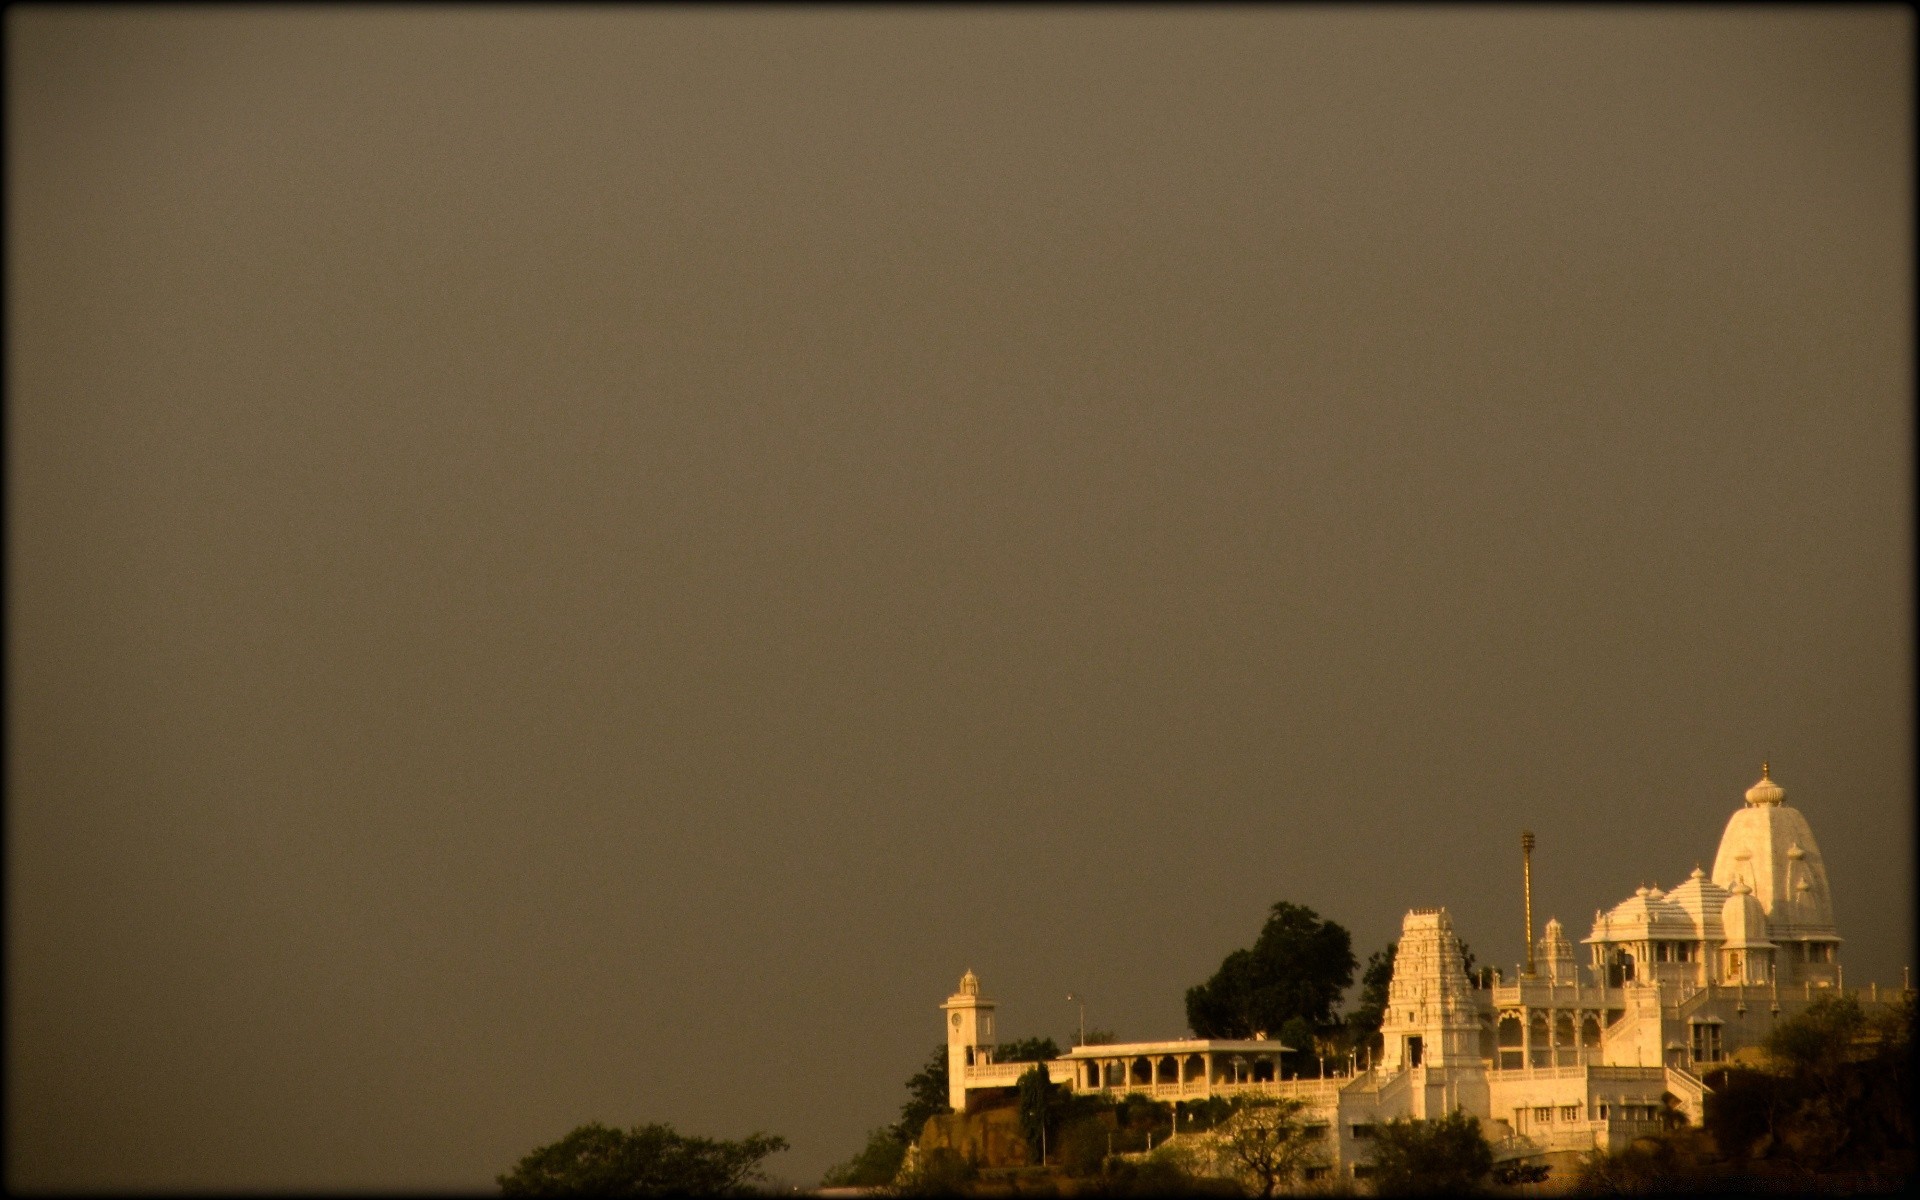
(1747, 954)
(1556, 954)
(969, 1021)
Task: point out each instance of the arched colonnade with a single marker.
(1198, 1073)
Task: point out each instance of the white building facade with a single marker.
(1676, 983)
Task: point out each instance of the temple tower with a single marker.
(1769, 847)
(1556, 954)
(1432, 1019)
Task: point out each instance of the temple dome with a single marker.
(1646, 913)
(1701, 900)
(1743, 919)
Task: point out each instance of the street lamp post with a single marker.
(1074, 998)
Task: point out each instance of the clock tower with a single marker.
(969, 1037)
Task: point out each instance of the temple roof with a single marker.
(1648, 913)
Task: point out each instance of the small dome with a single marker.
(1642, 890)
(969, 983)
(1766, 791)
(1795, 852)
(1744, 921)
(1654, 893)
(1696, 873)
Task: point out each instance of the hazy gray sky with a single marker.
(584, 564)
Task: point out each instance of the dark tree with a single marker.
(1370, 1008)
(648, 1160)
(1837, 1094)
(1035, 1098)
(1480, 977)
(939, 1172)
(876, 1164)
(1298, 967)
(1027, 1050)
(1677, 1162)
(1269, 1143)
(926, 1096)
(1520, 1174)
(1297, 1036)
(1444, 1157)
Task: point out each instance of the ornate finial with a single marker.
(1766, 791)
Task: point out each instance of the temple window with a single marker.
(1706, 1043)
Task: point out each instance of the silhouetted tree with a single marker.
(1672, 1163)
(926, 1096)
(1520, 1174)
(874, 1166)
(939, 1172)
(1370, 1007)
(648, 1160)
(1027, 1050)
(1035, 1099)
(1297, 967)
(1297, 1036)
(1444, 1157)
(1268, 1144)
(1837, 1093)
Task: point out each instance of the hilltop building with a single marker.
(1676, 983)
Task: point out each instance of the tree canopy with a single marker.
(1043, 1049)
(1370, 1007)
(1297, 967)
(1036, 1108)
(926, 1095)
(648, 1160)
(1444, 1157)
(1838, 1094)
(1268, 1144)
(874, 1166)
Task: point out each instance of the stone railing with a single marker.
(1627, 1074)
(1691, 1091)
(1008, 1073)
(1314, 1091)
(1568, 1072)
(1390, 1091)
(1556, 995)
(992, 1072)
